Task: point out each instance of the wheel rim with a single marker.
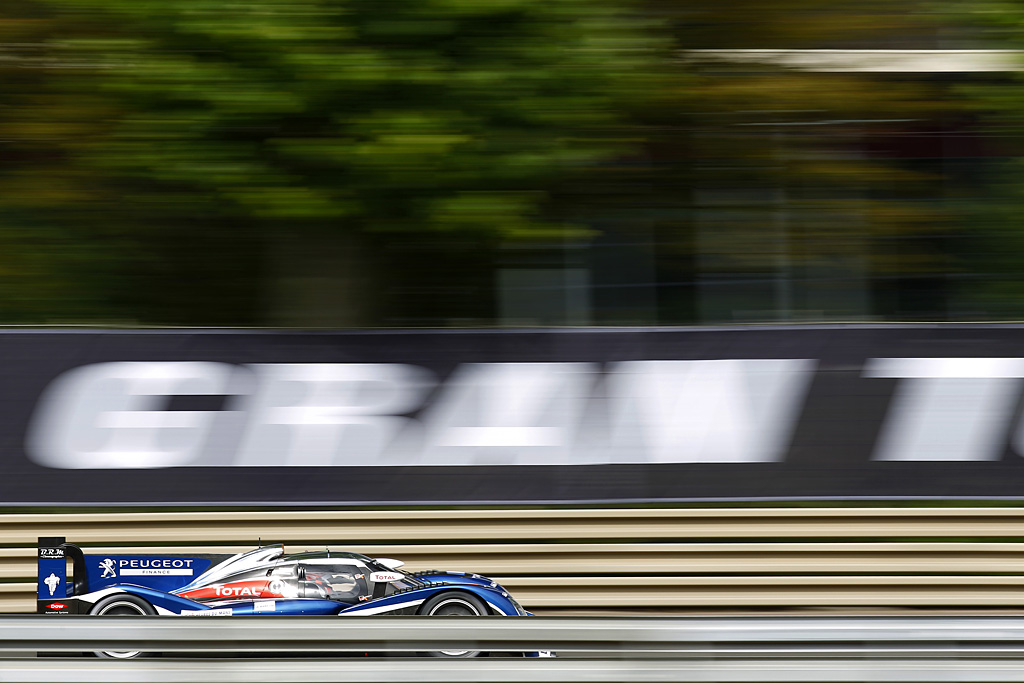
(454, 607)
(122, 608)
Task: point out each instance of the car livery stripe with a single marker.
(383, 608)
(235, 589)
(497, 610)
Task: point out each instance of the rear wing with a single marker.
(57, 592)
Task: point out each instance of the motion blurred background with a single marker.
(319, 163)
(344, 164)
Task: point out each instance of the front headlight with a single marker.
(519, 608)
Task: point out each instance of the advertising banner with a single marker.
(149, 417)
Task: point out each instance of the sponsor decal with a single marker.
(237, 591)
(224, 612)
(384, 577)
(51, 553)
(157, 566)
(52, 581)
(56, 606)
(264, 606)
(277, 587)
(107, 566)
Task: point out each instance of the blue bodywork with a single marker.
(263, 581)
(260, 582)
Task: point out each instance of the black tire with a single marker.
(122, 606)
(454, 604)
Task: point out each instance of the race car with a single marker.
(263, 581)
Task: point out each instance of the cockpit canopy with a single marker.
(268, 573)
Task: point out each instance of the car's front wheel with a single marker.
(121, 606)
(454, 605)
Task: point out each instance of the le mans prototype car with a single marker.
(263, 581)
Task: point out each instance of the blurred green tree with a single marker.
(249, 163)
(349, 162)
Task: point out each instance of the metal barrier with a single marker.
(611, 561)
(754, 650)
(687, 636)
(855, 670)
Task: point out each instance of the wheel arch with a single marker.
(103, 604)
(498, 602)
(480, 596)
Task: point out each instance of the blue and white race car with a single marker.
(263, 581)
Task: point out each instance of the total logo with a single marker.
(237, 591)
(241, 589)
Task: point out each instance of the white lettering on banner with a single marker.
(947, 409)
(723, 411)
(264, 606)
(109, 415)
(346, 414)
(507, 414)
(319, 414)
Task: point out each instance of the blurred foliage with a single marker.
(182, 149)
(350, 162)
(799, 138)
(992, 247)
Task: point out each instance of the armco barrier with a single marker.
(726, 650)
(608, 561)
(854, 670)
(725, 637)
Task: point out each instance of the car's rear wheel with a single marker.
(454, 605)
(122, 606)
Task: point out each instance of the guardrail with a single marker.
(855, 670)
(739, 650)
(687, 636)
